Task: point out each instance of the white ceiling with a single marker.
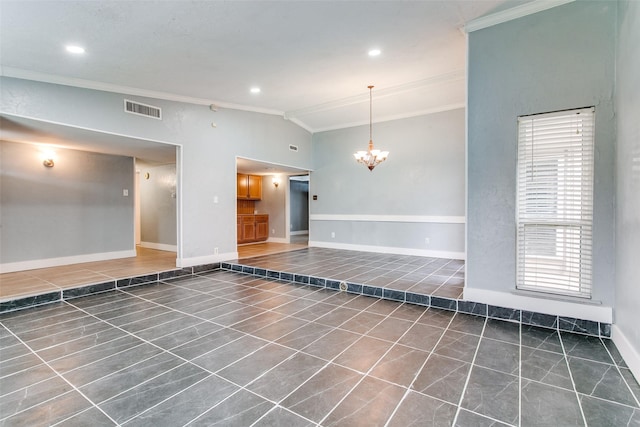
(308, 57)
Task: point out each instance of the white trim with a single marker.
(512, 13)
(127, 90)
(577, 310)
(299, 123)
(300, 232)
(11, 267)
(53, 122)
(408, 115)
(466, 155)
(389, 218)
(160, 246)
(388, 250)
(277, 240)
(628, 352)
(208, 259)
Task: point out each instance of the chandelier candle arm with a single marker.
(372, 157)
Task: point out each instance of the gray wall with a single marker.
(74, 208)
(628, 174)
(557, 59)
(423, 176)
(208, 154)
(158, 222)
(299, 205)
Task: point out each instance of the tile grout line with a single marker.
(575, 390)
(61, 377)
(419, 371)
(466, 383)
(620, 373)
(520, 374)
(328, 362)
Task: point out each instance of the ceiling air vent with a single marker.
(142, 109)
(293, 147)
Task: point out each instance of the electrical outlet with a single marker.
(426, 241)
(215, 251)
(333, 234)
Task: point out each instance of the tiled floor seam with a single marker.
(466, 383)
(243, 269)
(520, 374)
(626, 383)
(573, 383)
(410, 386)
(59, 375)
(213, 267)
(375, 364)
(164, 372)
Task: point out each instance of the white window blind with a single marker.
(555, 202)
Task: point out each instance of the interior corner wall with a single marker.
(158, 206)
(412, 204)
(626, 333)
(207, 161)
(72, 210)
(558, 59)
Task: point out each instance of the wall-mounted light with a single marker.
(276, 181)
(48, 158)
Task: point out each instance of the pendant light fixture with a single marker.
(372, 157)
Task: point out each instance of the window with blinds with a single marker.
(555, 202)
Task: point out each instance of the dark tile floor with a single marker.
(422, 275)
(229, 349)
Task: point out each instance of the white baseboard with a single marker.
(277, 240)
(159, 246)
(628, 352)
(577, 310)
(299, 232)
(389, 250)
(11, 267)
(208, 259)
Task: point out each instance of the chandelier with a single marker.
(372, 157)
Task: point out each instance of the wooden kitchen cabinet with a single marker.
(262, 227)
(253, 228)
(249, 187)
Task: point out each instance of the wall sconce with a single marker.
(48, 158)
(276, 181)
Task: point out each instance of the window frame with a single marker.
(562, 225)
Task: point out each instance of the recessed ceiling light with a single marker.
(75, 49)
(375, 52)
(255, 90)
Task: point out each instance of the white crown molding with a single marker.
(379, 93)
(53, 122)
(299, 123)
(408, 115)
(109, 87)
(513, 13)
